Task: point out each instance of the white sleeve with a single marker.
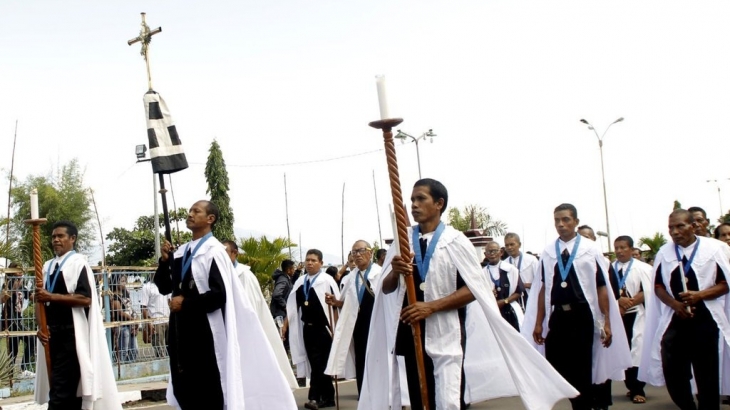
(144, 299)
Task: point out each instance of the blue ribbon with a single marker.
(424, 262)
(308, 285)
(622, 281)
(499, 276)
(688, 265)
(565, 269)
(361, 288)
(51, 285)
(187, 261)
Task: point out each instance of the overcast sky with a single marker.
(502, 84)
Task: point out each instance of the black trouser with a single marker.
(508, 313)
(361, 343)
(317, 343)
(569, 349)
(65, 370)
(635, 386)
(692, 344)
(414, 387)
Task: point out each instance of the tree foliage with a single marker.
(136, 247)
(218, 186)
(676, 205)
(263, 256)
(462, 220)
(654, 243)
(60, 197)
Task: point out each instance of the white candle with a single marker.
(382, 96)
(33, 203)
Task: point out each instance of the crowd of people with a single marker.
(561, 325)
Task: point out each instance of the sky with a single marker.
(289, 87)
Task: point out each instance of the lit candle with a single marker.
(382, 96)
(33, 203)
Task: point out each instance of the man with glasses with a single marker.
(357, 308)
(507, 286)
(525, 263)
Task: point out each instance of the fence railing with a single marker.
(134, 334)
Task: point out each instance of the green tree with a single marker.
(676, 205)
(654, 243)
(137, 247)
(476, 217)
(217, 177)
(263, 256)
(60, 197)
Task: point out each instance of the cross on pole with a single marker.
(145, 36)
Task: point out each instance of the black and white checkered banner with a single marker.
(166, 150)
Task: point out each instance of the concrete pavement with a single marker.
(658, 399)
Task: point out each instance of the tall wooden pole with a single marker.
(401, 220)
(38, 265)
(377, 211)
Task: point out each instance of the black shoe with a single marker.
(311, 405)
(326, 403)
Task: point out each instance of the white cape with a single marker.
(513, 275)
(514, 367)
(252, 290)
(640, 278)
(341, 361)
(97, 386)
(250, 376)
(610, 362)
(658, 315)
(528, 268)
(323, 284)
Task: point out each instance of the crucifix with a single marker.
(145, 36)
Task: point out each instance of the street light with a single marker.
(402, 136)
(603, 173)
(719, 197)
(141, 152)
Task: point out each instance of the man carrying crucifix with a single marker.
(216, 343)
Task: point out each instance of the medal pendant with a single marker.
(306, 303)
(499, 289)
(686, 280)
(564, 285)
(180, 286)
(423, 286)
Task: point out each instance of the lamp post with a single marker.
(603, 173)
(402, 136)
(719, 197)
(141, 152)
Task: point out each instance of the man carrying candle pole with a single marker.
(571, 311)
(310, 332)
(689, 318)
(351, 333)
(496, 361)
(81, 375)
(219, 355)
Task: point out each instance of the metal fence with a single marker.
(133, 335)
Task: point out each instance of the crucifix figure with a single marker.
(145, 36)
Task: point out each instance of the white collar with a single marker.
(568, 245)
(688, 250)
(60, 258)
(426, 236)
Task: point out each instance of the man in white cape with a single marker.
(507, 286)
(311, 321)
(632, 284)
(81, 374)
(688, 322)
(220, 357)
(525, 263)
(503, 363)
(351, 333)
(252, 290)
(570, 315)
